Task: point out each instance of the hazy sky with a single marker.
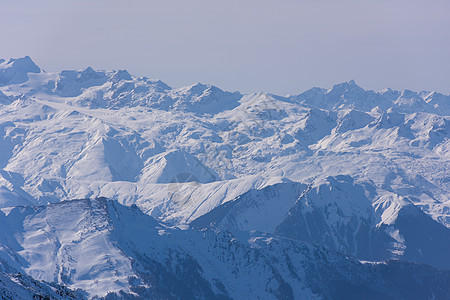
(283, 46)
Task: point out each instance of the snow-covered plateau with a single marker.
(115, 186)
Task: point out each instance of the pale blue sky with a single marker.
(282, 46)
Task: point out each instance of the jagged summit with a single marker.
(349, 95)
(23, 63)
(121, 75)
(15, 71)
(115, 89)
(348, 86)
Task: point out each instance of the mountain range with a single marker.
(118, 186)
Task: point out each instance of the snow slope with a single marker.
(17, 285)
(354, 219)
(105, 248)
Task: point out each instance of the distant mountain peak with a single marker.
(199, 85)
(199, 89)
(121, 75)
(349, 86)
(16, 70)
(22, 62)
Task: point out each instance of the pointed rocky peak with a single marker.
(161, 84)
(313, 97)
(341, 96)
(199, 87)
(313, 92)
(24, 63)
(345, 87)
(121, 75)
(16, 71)
(89, 74)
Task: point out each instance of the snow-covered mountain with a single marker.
(16, 285)
(105, 248)
(350, 218)
(364, 173)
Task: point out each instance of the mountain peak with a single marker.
(199, 85)
(121, 75)
(15, 70)
(345, 87)
(89, 74)
(197, 88)
(22, 62)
